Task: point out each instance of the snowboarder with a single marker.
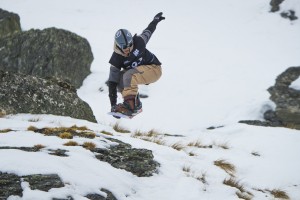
(132, 65)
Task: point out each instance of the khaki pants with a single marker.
(144, 74)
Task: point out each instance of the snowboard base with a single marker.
(120, 115)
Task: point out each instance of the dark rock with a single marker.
(260, 123)
(10, 184)
(28, 149)
(47, 53)
(275, 5)
(68, 198)
(287, 99)
(29, 94)
(58, 152)
(109, 196)
(137, 161)
(290, 14)
(43, 182)
(95, 197)
(9, 23)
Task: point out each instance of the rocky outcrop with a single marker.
(275, 5)
(287, 14)
(287, 99)
(28, 94)
(10, 185)
(9, 23)
(122, 156)
(44, 53)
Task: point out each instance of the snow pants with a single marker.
(141, 75)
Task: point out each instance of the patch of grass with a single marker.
(226, 166)
(280, 194)
(152, 133)
(234, 183)
(202, 178)
(119, 128)
(106, 133)
(244, 195)
(198, 144)
(32, 128)
(186, 169)
(89, 134)
(191, 153)
(150, 136)
(2, 113)
(34, 120)
(89, 145)
(65, 135)
(223, 145)
(80, 128)
(5, 130)
(71, 143)
(39, 146)
(178, 146)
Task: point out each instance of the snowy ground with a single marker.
(219, 57)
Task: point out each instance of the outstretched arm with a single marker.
(146, 34)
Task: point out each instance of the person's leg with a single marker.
(144, 74)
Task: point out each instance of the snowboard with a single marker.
(120, 115)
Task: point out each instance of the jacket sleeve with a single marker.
(146, 34)
(113, 80)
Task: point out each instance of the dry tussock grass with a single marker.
(118, 128)
(226, 166)
(5, 130)
(89, 145)
(71, 143)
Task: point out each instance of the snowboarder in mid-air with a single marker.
(132, 64)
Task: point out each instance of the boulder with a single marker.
(44, 53)
(287, 99)
(21, 93)
(275, 5)
(9, 23)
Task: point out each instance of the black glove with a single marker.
(158, 17)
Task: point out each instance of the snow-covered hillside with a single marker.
(219, 57)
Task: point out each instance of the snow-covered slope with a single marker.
(219, 57)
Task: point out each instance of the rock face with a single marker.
(287, 99)
(140, 162)
(29, 94)
(275, 5)
(287, 14)
(10, 184)
(9, 23)
(47, 53)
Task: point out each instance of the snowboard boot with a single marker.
(131, 106)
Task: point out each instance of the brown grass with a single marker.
(106, 133)
(32, 128)
(71, 143)
(226, 166)
(280, 194)
(65, 135)
(119, 128)
(5, 130)
(234, 183)
(39, 146)
(178, 146)
(89, 145)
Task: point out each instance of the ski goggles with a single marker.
(124, 46)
